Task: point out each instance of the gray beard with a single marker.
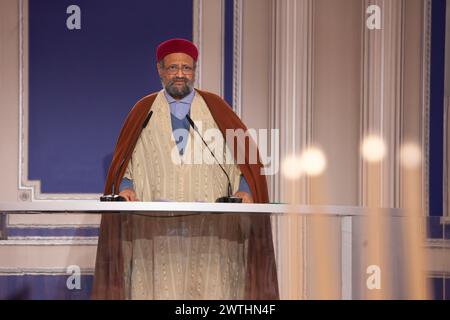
(176, 93)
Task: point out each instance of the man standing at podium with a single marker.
(193, 256)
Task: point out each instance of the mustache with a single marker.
(172, 81)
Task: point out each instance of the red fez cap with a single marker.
(175, 46)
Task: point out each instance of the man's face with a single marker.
(177, 74)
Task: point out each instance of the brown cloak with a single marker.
(261, 278)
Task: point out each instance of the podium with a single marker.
(320, 252)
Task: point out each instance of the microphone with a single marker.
(229, 198)
(115, 197)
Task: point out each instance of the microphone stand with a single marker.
(229, 198)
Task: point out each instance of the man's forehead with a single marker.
(178, 57)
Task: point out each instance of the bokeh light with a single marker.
(373, 149)
(291, 167)
(313, 161)
(410, 155)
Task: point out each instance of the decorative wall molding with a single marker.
(30, 190)
(237, 57)
(425, 132)
(41, 271)
(197, 36)
(44, 241)
(292, 83)
(438, 251)
(382, 96)
(446, 116)
(291, 113)
(222, 48)
(26, 188)
(52, 226)
(3, 222)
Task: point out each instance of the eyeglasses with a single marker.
(174, 69)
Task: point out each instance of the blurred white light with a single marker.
(291, 167)
(313, 161)
(410, 155)
(373, 149)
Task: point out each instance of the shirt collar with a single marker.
(180, 108)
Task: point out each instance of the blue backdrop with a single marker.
(437, 69)
(82, 83)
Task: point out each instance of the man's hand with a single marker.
(129, 195)
(246, 198)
